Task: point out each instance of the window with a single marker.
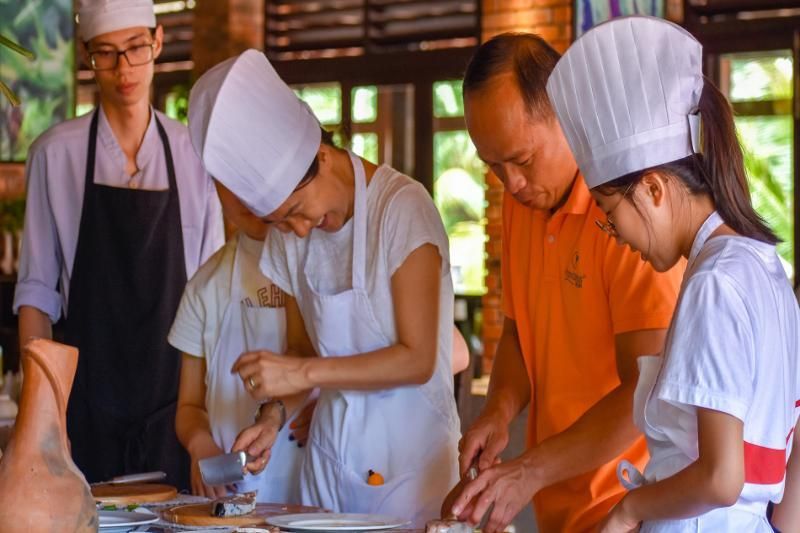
(759, 86)
(459, 183)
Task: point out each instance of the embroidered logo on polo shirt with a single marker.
(572, 273)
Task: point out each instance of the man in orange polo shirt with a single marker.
(579, 310)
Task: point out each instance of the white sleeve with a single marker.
(40, 257)
(186, 333)
(411, 220)
(710, 357)
(274, 262)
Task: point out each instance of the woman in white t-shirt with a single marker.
(720, 408)
(363, 258)
(229, 307)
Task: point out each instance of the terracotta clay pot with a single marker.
(41, 489)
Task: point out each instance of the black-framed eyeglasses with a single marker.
(608, 226)
(139, 54)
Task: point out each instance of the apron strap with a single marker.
(359, 223)
(162, 133)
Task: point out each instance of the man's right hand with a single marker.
(483, 442)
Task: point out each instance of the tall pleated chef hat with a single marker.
(251, 131)
(96, 17)
(626, 95)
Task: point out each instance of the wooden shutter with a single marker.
(299, 29)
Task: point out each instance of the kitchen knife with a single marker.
(224, 469)
(472, 474)
(144, 477)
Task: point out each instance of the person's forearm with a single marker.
(691, 492)
(389, 367)
(714, 480)
(601, 434)
(33, 323)
(786, 516)
(193, 429)
(509, 385)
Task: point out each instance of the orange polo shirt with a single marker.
(571, 288)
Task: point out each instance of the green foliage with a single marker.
(176, 105)
(365, 104)
(459, 196)
(46, 86)
(447, 99)
(324, 100)
(767, 140)
(768, 157)
(12, 214)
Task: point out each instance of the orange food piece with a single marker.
(374, 478)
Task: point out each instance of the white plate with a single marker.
(120, 519)
(321, 522)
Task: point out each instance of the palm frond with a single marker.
(5, 89)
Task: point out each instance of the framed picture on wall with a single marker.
(46, 86)
(589, 13)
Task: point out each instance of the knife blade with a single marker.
(472, 474)
(224, 469)
(144, 477)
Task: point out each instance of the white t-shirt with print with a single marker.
(196, 331)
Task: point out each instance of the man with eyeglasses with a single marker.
(579, 310)
(119, 214)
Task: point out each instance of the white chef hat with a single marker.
(626, 95)
(251, 131)
(96, 17)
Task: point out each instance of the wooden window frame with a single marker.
(726, 35)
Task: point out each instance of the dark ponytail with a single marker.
(724, 171)
(718, 172)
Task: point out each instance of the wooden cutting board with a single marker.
(133, 493)
(200, 514)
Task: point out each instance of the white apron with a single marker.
(666, 455)
(394, 432)
(230, 407)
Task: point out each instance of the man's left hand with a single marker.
(509, 486)
(619, 521)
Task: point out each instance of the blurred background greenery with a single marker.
(46, 85)
(759, 86)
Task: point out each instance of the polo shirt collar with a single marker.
(579, 201)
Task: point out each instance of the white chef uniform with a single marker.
(626, 95)
(228, 308)
(731, 349)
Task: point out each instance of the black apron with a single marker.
(127, 281)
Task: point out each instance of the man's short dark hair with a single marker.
(526, 56)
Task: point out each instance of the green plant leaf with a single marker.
(17, 48)
(8, 93)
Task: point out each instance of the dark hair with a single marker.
(313, 168)
(525, 55)
(718, 171)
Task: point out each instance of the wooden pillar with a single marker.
(224, 28)
(552, 20)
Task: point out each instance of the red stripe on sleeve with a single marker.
(763, 466)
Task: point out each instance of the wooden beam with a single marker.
(378, 69)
